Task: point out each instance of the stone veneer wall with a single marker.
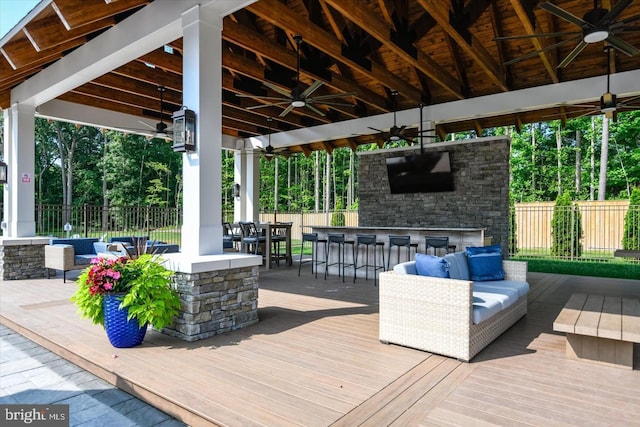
(215, 302)
(22, 262)
(481, 197)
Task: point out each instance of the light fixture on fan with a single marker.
(268, 151)
(595, 35)
(608, 104)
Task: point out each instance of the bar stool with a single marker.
(277, 237)
(437, 243)
(339, 240)
(313, 239)
(400, 242)
(368, 240)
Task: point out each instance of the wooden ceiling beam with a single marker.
(48, 33)
(278, 14)
(255, 42)
(20, 53)
(163, 60)
(474, 49)
(328, 147)
(155, 76)
(75, 13)
(233, 123)
(134, 87)
(529, 29)
(132, 100)
(360, 14)
(457, 63)
(332, 19)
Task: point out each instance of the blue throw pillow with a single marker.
(429, 265)
(485, 263)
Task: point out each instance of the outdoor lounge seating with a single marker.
(453, 316)
(69, 254)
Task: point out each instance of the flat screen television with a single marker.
(420, 173)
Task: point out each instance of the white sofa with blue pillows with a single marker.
(455, 305)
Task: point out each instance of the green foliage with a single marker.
(622, 270)
(513, 228)
(149, 297)
(338, 218)
(566, 228)
(631, 238)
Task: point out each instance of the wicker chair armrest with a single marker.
(59, 257)
(515, 270)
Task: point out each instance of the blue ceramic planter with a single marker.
(122, 333)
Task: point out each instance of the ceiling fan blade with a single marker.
(268, 105)
(147, 125)
(270, 98)
(277, 89)
(627, 20)
(377, 130)
(335, 104)
(314, 109)
(572, 55)
(540, 35)
(286, 110)
(622, 45)
(538, 52)
(314, 86)
(561, 13)
(334, 95)
(629, 100)
(615, 11)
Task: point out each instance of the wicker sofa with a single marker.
(446, 315)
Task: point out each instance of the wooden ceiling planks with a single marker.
(370, 47)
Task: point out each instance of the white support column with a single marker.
(252, 178)
(202, 93)
(19, 154)
(240, 165)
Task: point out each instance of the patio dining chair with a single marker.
(251, 237)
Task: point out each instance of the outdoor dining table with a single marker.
(268, 230)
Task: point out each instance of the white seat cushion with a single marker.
(521, 287)
(485, 305)
(408, 267)
(506, 296)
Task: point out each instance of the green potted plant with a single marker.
(126, 294)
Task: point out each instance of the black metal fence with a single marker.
(585, 231)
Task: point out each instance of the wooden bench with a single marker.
(623, 253)
(600, 328)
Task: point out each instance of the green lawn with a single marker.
(618, 268)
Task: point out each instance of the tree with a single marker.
(631, 238)
(604, 159)
(566, 228)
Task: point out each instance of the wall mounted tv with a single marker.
(420, 173)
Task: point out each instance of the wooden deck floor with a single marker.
(314, 359)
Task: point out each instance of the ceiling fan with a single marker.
(269, 151)
(396, 133)
(597, 25)
(609, 104)
(299, 96)
(161, 128)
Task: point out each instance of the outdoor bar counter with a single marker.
(460, 237)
